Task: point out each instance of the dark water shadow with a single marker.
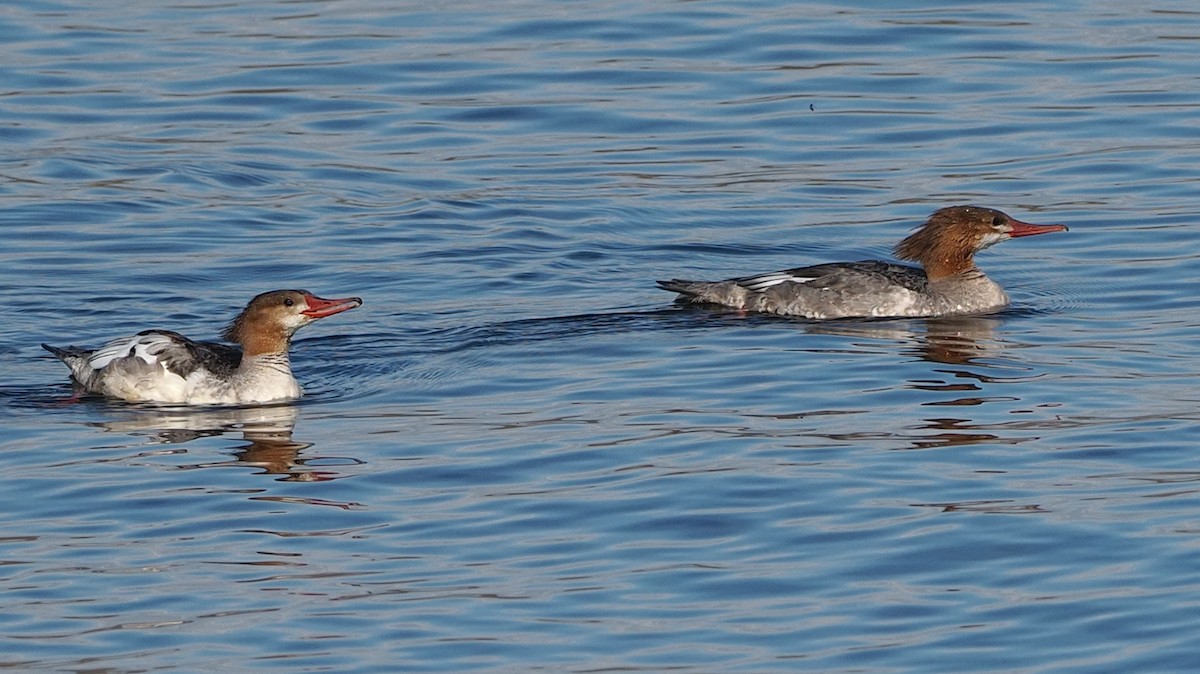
(947, 340)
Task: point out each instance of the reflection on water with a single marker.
(951, 432)
(168, 424)
(972, 346)
(991, 507)
(958, 340)
(266, 431)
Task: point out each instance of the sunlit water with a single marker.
(519, 455)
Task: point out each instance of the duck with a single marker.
(947, 282)
(161, 366)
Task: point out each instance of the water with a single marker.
(518, 455)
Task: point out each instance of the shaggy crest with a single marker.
(945, 247)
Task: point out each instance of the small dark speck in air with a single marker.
(810, 107)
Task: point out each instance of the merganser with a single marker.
(165, 367)
(949, 285)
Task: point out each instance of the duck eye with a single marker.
(287, 301)
(997, 221)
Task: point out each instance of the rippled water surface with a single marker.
(519, 455)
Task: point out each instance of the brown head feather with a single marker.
(946, 244)
(255, 330)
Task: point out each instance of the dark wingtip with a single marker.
(61, 354)
(674, 285)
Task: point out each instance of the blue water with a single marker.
(519, 455)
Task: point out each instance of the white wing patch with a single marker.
(145, 347)
(132, 368)
(763, 281)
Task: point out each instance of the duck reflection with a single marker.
(960, 341)
(266, 430)
(957, 433)
(954, 341)
(971, 347)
